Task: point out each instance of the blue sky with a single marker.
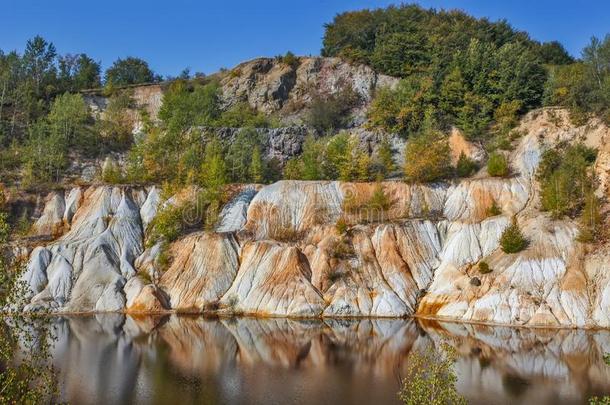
(207, 35)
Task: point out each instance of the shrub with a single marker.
(289, 59)
(293, 169)
(341, 226)
(484, 268)
(167, 225)
(335, 276)
(590, 220)
(494, 209)
(465, 167)
(512, 239)
(564, 179)
(111, 172)
(372, 210)
(328, 112)
(379, 199)
(242, 115)
(428, 158)
(605, 400)
(116, 125)
(385, 157)
(497, 165)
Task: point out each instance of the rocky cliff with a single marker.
(277, 250)
(270, 85)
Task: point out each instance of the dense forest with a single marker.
(476, 74)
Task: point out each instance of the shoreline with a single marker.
(420, 319)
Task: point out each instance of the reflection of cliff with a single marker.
(117, 359)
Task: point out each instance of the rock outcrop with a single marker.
(324, 249)
(270, 85)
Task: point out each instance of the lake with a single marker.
(116, 359)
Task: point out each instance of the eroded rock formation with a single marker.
(279, 250)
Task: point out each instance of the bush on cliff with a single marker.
(428, 158)
(484, 268)
(497, 165)
(591, 229)
(565, 179)
(465, 167)
(328, 112)
(512, 239)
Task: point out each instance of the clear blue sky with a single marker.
(206, 35)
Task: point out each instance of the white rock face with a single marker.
(273, 280)
(233, 216)
(88, 266)
(204, 267)
(51, 220)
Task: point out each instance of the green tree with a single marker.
(554, 53)
(116, 125)
(129, 71)
(78, 72)
(256, 167)
(474, 116)
(39, 63)
(564, 179)
(240, 154)
(293, 169)
(428, 157)
(45, 154)
(69, 116)
(591, 219)
(512, 239)
(185, 106)
(402, 110)
(338, 156)
(385, 157)
(242, 115)
(465, 167)
(451, 93)
(497, 165)
(311, 159)
(213, 170)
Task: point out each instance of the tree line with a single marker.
(473, 73)
(30, 81)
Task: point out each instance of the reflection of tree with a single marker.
(26, 374)
(431, 379)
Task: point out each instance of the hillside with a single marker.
(278, 250)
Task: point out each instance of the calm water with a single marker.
(113, 359)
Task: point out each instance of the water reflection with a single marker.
(175, 359)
